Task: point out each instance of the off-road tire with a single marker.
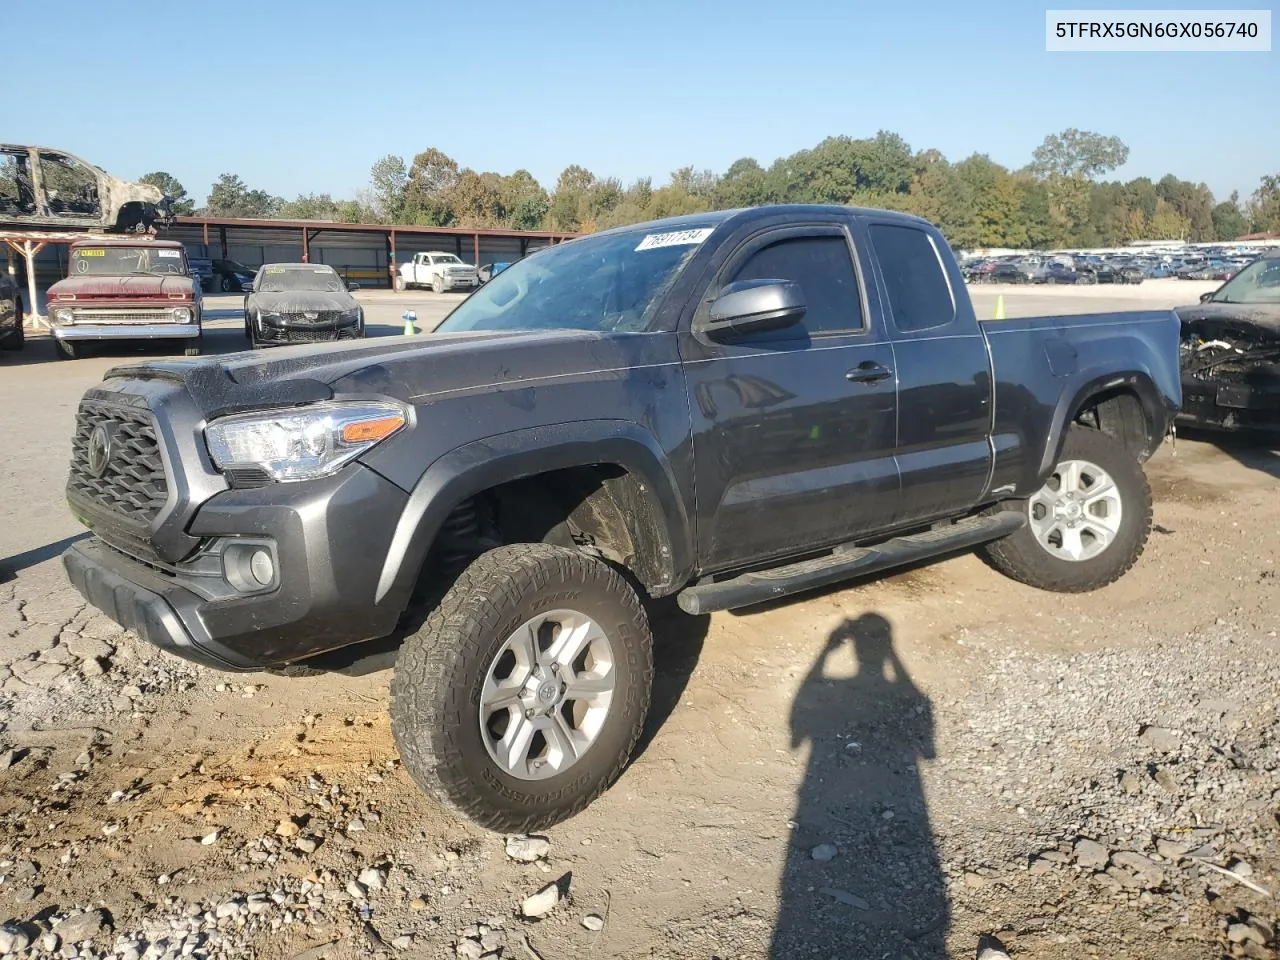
(1021, 556)
(435, 692)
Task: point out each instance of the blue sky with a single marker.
(305, 97)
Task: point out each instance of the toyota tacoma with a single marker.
(726, 408)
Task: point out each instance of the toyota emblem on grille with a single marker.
(99, 453)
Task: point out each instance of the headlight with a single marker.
(304, 442)
(64, 315)
(182, 314)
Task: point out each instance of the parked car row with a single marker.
(1105, 268)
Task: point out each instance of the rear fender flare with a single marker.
(484, 464)
(1105, 378)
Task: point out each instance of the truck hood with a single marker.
(1264, 315)
(413, 369)
(137, 287)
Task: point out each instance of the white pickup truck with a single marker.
(439, 271)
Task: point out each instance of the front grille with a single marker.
(297, 335)
(314, 316)
(123, 316)
(133, 483)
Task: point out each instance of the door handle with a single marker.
(868, 372)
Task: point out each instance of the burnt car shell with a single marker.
(36, 193)
(1230, 360)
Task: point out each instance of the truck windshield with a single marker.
(1259, 282)
(608, 283)
(282, 279)
(123, 261)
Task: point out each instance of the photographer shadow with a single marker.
(862, 875)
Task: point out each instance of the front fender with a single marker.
(660, 520)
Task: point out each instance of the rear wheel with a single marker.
(1087, 525)
(520, 699)
(400, 284)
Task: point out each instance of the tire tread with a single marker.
(429, 705)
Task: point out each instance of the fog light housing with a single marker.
(250, 565)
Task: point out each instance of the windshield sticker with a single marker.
(680, 238)
(92, 253)
(170, 254)
(273, 269)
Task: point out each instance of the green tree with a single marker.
(1066, 162)
(431, 177)
(568, 207)
(525, 202)
(231, 197)
(1229, 220)
(744, 184)
(321, 206)
(388, 181)
(1264, 205)
(1193, 202)
(183, 205)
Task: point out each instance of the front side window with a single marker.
(823, 267)
(69, 186)
(919, 296)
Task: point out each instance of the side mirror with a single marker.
(353, 286)
(1206, 297)
(749, 306)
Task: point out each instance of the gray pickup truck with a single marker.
(726, 408)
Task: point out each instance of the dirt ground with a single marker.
(893, 769)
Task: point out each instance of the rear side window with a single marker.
(824, 269)
(919, 297)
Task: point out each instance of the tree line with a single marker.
(1060, 199)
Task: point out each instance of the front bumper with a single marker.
(330, 538)
(126, 331)
(1231, 405)
(275, 329)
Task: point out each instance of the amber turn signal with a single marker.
(364, 431)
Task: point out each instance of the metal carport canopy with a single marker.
(309, 229)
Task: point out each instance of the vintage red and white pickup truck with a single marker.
(130, 288)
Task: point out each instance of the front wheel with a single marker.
(437, 285)
(1087, 525)
(520, 699)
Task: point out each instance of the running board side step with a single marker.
(844, 562)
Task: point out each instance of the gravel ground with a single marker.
(895, 769)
